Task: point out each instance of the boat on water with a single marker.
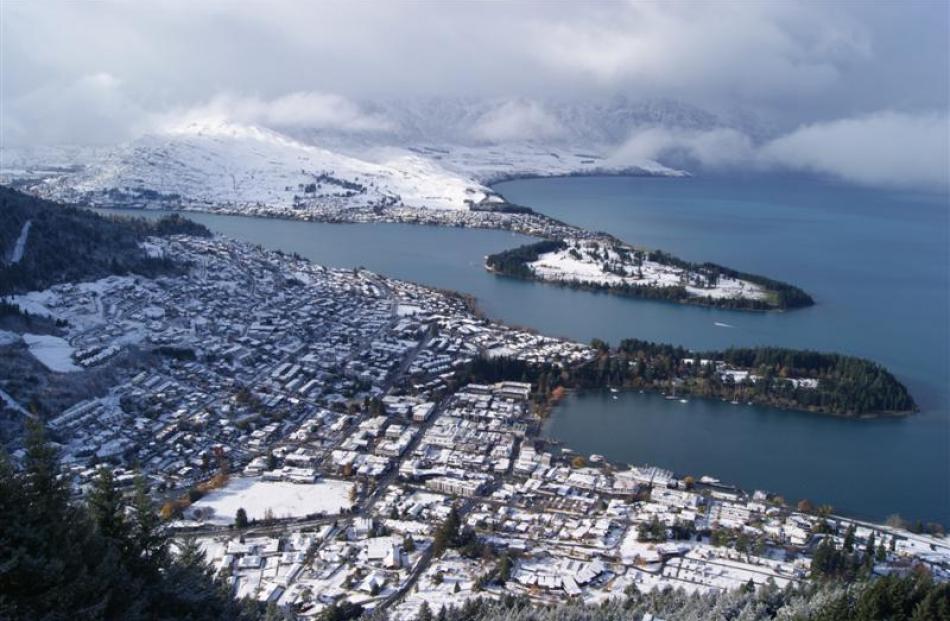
(684, 400)
(614, 390)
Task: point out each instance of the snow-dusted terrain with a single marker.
(228, 164)
(53, 351)
(613, 264)
(492, 163)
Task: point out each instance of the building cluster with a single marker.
(250, 349)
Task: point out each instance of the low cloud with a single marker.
(881, 149)
(887, 148)
(93, 109)
(310, 110)
(715, 148)
(517, 120)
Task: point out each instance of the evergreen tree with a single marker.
(849, 539)
(147, 538)
(86, 561)
(425, 613)
(106, 505)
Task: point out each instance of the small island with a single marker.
(789, 379)
(606, 264)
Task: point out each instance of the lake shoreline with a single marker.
(491, 216)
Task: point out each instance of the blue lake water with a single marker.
(876, 262)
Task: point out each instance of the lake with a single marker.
(875, 261)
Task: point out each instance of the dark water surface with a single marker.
(876, 262)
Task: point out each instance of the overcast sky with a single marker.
(104, 71)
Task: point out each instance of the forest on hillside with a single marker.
(68, 244)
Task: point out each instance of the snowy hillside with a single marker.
(231, 164)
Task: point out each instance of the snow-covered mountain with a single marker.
(230, 164)
(432, 154)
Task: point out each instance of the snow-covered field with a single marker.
(283, 499)
(54, 352)
(600, 263)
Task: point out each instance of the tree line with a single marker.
(847, 385)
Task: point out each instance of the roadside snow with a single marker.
(283, 499)
(54, 352)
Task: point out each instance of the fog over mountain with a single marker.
(794, 85)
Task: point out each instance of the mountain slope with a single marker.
(241, 165)
(437, 153)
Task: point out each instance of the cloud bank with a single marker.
(301, 109)
(828, 79)
(882, 149)
(517, 121)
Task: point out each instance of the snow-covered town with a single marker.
(623, 310)
(314, 431)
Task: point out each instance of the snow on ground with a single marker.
(35, 302)
(8, 338)
(407, 310)
(221, 163)
(80, 305)
(12, 403)
(20, 244)
(492, 163)
(152, 251)
(54, 352)
(584, 262)
(562, 266)
(283, 499)
(454, 571)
